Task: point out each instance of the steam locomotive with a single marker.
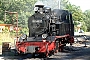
(49, 31)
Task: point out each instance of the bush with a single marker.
(6, 30)
(24, 31)
(6, 37)
(1, 22)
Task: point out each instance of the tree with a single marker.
(87, 19)
(23, 7)
(77, 13)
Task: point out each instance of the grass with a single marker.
(6, 37)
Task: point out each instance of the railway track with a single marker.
(58, 56)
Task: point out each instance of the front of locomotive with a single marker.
(36, 42)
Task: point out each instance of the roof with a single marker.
(5, 24)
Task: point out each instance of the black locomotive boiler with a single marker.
(49, 31)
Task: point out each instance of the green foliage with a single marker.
(23, 7)
(1, 22)
(75, 10)
(13, 33)
(87, 19)
(77, 13)
(6, 30)
(6, 37)
(24, 31)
